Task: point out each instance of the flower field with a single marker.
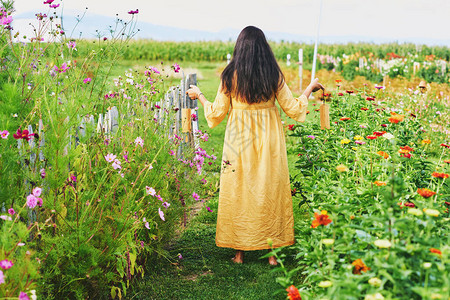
(376, 190)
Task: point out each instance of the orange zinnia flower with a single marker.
(434, 250)
(293, 293)
(440, 175)
(395, 119)
(345, 119)
(364, 108)
(384, 154)
(321, 219)
(426, 142)
(426, 193)
(407, 148)
(379, 183)
(359, 267)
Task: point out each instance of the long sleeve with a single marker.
(215, 112)
(295, 108)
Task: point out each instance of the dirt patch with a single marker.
(193, 277)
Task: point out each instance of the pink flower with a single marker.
(6, 264)
(2, 277)
(360, 142)
(166, 204)
(49, 1)
(4, 134)
(133, 12)
(176, 68)
(87, 80)
(150, 191)
(110, 157)
(195, 196)
(37, 191)
(39, 202)
(6, 20)
(23, 296)
(42, 171)
(6, 218)
(208, 209)
(161, 214)
(31, 201)
(11, 211)
(116, 164)
(64, 68)
(171, 152)
(72, 44)
(139, 141)
(147, 225)
(54, 5)
(159, 198)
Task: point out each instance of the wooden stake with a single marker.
(324, 116)
(186, 119)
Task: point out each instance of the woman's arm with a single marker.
(314, 86)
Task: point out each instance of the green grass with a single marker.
(206, 271)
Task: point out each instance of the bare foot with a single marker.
(273, 261)
(239, 257)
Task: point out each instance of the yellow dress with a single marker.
(255, 200)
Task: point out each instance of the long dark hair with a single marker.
(253, 74)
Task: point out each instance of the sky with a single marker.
(421, 21)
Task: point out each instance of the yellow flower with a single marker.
(382, 244)
(345, 141)
(342, 168)
(426, 142)
(358, 137)
(375, 281)
(415, 212)
(325, 284)
(431, 212)
(436, 296)
(354, 148)
(327, 241)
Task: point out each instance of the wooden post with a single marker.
(300, 67)
(113, 122)
(324, 116)
(190, 80)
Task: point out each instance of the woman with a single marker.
(255, 201)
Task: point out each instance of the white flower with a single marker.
(150, 191)
(325, 284)
(415, 212)
(431, 212)
(376, 296)
(388, 136)
(426, 265)
(139, 141)
(375, 281)
(383, 244)
(327, 241)
(116, 164)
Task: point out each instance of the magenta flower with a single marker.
(87, 80)
(311, 137)
(6, 20)
(133, 12)
(180, 256)
(166, 204)
(24, 135)
(31, 201)
(37, 191)
(4, 134)
(22, 295)
(176, 68)
(64, 68)
(54, 5)
(2, 277)
(43, 174)
(49, 1)
(161, 214)
(195, 196)
(6, 264)
(208, 209)
(40, 202)
(171, 152)
(11, 211)
(159, 198)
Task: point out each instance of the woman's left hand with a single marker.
(193, 92)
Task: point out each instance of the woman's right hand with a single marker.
(315, 85)
(193, 92)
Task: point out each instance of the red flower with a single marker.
(407, 155)
(371, 137)
(349, 92)
(434, 250)
(321, 219)
(440, 175)
(407, 148)
(445, 145)
(364, 108)
(410, 204)
(426, 193)
(447, 203)
(340, 94)
(291, 127)
(24, 135)
(379, 133)
(293, 293)
(344, 119)
(370, 98)
(383, 125)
